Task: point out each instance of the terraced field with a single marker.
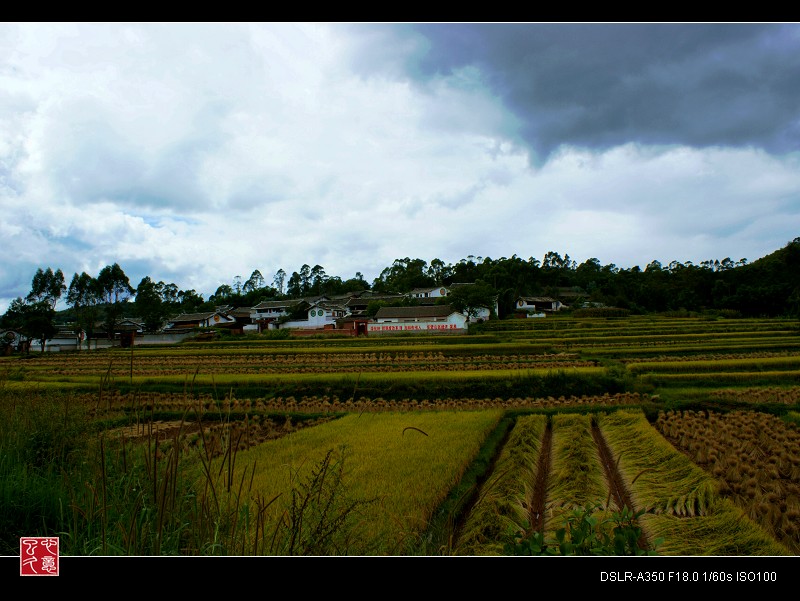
(600, 416)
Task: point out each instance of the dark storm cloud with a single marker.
(601, 85)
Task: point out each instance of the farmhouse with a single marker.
(267, 313)
(322, 314)
(207, 319)
(428, 296)
(537, 304)
(421, 319)
(357, 305)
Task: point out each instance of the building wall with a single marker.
(454, 324)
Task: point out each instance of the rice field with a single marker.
(698, 417)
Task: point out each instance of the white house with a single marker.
(267, 313)
(199, 320)
(320, 314)
(323, 313)
(537, 304)
(423, 294)
(422, 319)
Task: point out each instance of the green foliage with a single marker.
(584, 533)
(470, 300)
(42, 437)
(34, 319)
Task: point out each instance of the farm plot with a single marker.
(678, 507)
(396, 469)
(683, 503)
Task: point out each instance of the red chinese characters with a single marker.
(38, 556)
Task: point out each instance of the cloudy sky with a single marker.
(193, 153)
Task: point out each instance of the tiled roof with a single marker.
(422, 311)
(277, 304)
(365, 301)
(192, 316)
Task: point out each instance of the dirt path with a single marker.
(538, 503)
(619, 492)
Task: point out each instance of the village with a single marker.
(427, 312)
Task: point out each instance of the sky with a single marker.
(193, 153)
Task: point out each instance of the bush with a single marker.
(584, 533)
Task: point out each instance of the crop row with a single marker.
(717, 365)
(287, 365)
(179, 403)
(768, 394)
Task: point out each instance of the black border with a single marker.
(414, 575)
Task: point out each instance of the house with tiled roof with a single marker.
(428, 296)
(207, 319)
(537, 304)
(357, 305)
(267, 313)
(420, 319)
(321, 314)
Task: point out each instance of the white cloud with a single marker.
(205, 151)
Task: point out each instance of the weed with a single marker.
(583, 533)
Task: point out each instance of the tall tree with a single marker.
(294, 288)
(254, 282)
(317, 278)
(190, 301)
(84, 298)
(115, 289)
(403, 276)
(279, 280)
(47, 286)
(305, 279)
(150, 305)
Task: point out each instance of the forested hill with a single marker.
(769, 286)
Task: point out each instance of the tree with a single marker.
(279, 280)
(115, 289)
(47, 286)
(294, 288)
(471, 299)
(84, 297)
(254, 282)
(305, 279)
(150, 305)
(34, 320)
(355, 284)
(439, 272)
(403, 276)
(223, 292)
(190, 301)
(317, 277)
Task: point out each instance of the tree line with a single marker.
(768, 287)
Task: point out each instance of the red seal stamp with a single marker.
(38, 556)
